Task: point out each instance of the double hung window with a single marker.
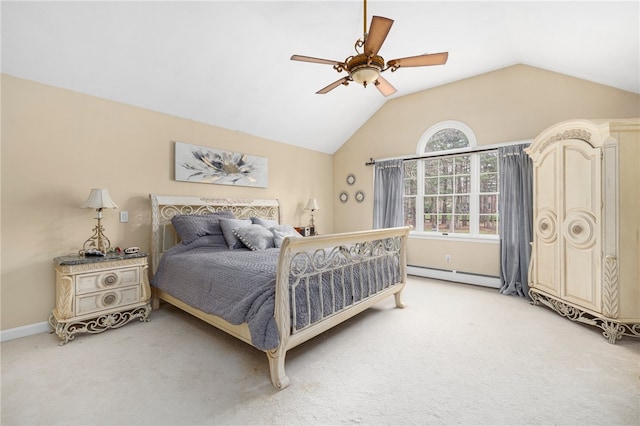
(451, 190)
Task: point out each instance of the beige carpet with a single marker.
(458, 354)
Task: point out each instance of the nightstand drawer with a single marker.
(97, 281)
(105, 300)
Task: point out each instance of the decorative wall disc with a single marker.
(344, 197)
(351, 179)
(359, 196)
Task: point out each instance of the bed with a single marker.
(272, 294)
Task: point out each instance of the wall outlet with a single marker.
(124, 217)
(447, 258)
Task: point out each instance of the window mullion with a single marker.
(474, 207)
(420, 197)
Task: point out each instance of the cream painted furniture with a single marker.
(585, 261)
(94, 294)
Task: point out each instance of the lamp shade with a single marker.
(99, 199)
(312, 204)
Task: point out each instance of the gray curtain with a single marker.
(516, 212)
(388, 190)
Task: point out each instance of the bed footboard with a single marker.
(325, 280)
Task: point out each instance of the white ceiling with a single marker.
(227, 63)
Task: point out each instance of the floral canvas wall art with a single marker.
(195, 163)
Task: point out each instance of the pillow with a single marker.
(216, 242)
(192, 226)
(255, 237)
(267, 223)
(228, 225)
(280, 232)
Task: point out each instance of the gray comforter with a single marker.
(239, 285)
(236, 285)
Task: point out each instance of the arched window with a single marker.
(446, 136)
(452, 190)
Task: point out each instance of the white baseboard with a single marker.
(456, 276)
(24, 331)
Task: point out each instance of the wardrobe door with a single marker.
(546, 266)
(579, 231)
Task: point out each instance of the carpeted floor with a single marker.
(458, 354)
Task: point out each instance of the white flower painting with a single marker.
(207, 165)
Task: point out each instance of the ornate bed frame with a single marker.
(300, 259)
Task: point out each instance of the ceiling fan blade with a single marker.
(384, 86)
(378, 31)
(315, 60)
(420, 61)
(343, 80)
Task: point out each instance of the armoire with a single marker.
(585, 254)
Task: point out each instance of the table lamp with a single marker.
(312, 205)
(98, 199)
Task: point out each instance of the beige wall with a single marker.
(629, 216)
(510, 104)
(58, 144)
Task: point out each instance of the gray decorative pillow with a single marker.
(267, 223)
(255, 237)
(280, 232)
(192, 226)
(228, 225)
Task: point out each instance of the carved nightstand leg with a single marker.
(61, 330)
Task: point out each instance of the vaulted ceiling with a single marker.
(227, 63)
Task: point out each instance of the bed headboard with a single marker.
(165, 207)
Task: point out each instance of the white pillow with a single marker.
(280, 232)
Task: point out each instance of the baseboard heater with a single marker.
(455, 276)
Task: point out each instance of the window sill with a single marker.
(488, 239)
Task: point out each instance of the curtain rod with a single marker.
(481, 148)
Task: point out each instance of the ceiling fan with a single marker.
(366, 67)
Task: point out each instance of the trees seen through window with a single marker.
(452, 193)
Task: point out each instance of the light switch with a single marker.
(124, 217)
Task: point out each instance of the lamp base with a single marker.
(97, 244)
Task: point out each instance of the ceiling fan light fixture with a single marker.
(364, 69)
(365, 75)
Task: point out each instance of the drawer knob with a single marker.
(109, 299)
(110, 279)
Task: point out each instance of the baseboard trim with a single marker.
(455, 276)
(24, 331)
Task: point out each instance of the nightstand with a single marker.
(96, 293)
(306, 231)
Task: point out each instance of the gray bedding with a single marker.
(236, 285)
(239, 286)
